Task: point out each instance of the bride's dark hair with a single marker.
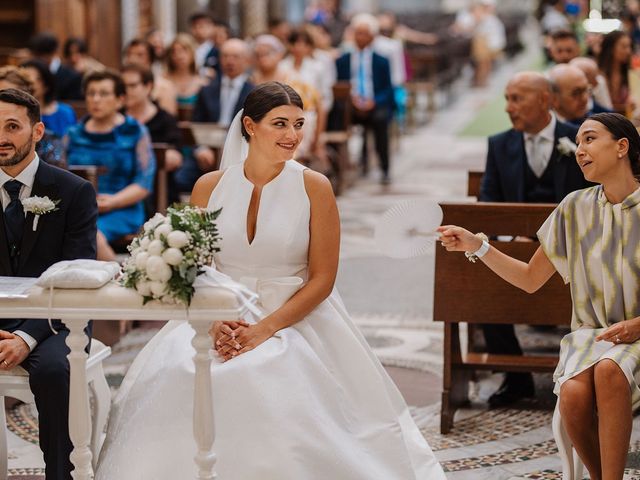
(265, 98)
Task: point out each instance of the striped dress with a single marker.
(595, 246)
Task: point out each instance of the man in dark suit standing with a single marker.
(30, 247)
(525, 164)
(68, 82)
(371, 89)
(218, 102)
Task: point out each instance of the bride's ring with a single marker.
(5, 363)
(617, 339)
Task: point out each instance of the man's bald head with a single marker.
(571, 92)
(234, 57)
(528, 96)
(589, 67)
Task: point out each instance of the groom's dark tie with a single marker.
(14, 221)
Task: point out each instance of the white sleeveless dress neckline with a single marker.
(311, 403)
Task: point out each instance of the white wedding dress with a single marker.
(312, 402)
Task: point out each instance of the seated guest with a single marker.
(600, 100)
(202, 27)
(182, 71)
(268, 52)
(56, 116)
(569, 94)
(44, 46)
(372, 91)
(141, 52)
(76, 56)
(119, 143)
(614, 62)
(162, 126)
(218, 102)
(564, 46)
(525, 165)
(50, 147)
(590, 240)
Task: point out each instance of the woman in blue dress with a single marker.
(122, 146)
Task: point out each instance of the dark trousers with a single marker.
(378, 121)
(48, 369)
(501, 339)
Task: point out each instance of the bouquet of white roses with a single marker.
(170, 252)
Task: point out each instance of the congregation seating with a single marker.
(489, 299)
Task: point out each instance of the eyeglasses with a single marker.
(580, 92)
(99, 94)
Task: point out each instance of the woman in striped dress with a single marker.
(592, 240)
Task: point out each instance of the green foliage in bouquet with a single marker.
(169, 254)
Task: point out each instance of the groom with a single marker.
(28, 248)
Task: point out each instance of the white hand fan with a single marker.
(408, 229)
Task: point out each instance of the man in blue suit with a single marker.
(371, 88)
(525, 164)
(28, 248)
(218, 102)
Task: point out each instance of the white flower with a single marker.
(566, 147)
(155, 247)
(157, 269)
(38, 206)
(157, 288)
(153, 222)
(144, 243)
(172, 256)
(141, 260)
(177, 239)
(143, 287)
(162, 229)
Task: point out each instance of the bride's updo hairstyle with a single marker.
(620, 127)
(265, 98)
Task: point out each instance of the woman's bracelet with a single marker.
(484, 248)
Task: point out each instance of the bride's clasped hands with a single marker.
(231, 338)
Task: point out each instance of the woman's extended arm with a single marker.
(324, 247)
(527, 276)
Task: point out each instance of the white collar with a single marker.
(548, 132)
(26, 176)
(234, 82)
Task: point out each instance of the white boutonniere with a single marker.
(39, 206)
(566, 147)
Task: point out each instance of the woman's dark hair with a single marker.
(146, 75)
(22, 99)
(265, 98)
(621, 127)
(48, 79)
(142, 42)
(605, 59)
(300, 34)
(99, 75)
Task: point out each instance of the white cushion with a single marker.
(78, 274)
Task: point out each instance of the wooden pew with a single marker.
(470, 292)
(338, 133)
(161, 183)
(474, 181)
(89, 172)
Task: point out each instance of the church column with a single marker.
(255, 14)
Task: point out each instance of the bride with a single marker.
(297, 394)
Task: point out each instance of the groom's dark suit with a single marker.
(65, 234)
(508, 178)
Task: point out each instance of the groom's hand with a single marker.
(13, 350)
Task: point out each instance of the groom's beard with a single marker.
(19, 155)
